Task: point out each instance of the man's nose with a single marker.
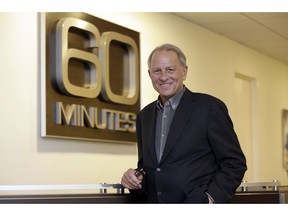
(164, 75)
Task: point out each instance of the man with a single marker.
(188, 151)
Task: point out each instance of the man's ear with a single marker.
(185, 70)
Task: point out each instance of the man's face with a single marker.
(166, 73)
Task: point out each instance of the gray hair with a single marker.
(169, 47)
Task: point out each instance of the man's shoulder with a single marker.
(200, 96)
(149, 107)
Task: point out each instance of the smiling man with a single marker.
(188, 151)
(167, 73)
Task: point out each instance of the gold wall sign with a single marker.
(90, 78)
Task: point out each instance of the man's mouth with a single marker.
(165, 84)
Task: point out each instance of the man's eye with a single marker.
(171, 70)
(157, 71)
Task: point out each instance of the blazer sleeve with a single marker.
(141, 193)
(230, 159)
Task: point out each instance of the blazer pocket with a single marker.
(196, 194)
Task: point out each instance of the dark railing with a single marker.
(248, 192)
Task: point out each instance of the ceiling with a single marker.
(265, 32)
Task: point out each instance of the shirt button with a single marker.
(158, 169)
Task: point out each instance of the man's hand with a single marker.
(131, 181)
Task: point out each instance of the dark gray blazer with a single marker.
(202, 153)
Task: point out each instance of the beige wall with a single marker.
(217, 66)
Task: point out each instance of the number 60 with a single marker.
(99, 67)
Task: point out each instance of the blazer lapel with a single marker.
(182, 114)
(150, 133)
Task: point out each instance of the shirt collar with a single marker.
(174, 100)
